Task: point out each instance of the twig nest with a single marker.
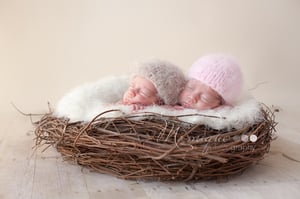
(157, 147)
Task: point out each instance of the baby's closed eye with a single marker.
(145, 93)
(205, 98)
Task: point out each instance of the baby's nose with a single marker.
(134, 91)
(196, 96)
(192, 98)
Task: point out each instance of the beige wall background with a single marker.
(50, 46)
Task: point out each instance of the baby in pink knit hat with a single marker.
(213, 80)
(155, 83)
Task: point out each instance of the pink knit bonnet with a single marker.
(222, 73)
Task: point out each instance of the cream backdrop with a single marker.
(50, 46)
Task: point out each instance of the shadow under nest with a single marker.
(150, 146)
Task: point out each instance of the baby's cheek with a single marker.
(182, 96)
(151, 100)
(148, 101)
(139, 99)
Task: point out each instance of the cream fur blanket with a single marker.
(87, 101)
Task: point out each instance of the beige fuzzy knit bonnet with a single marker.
(167, 78)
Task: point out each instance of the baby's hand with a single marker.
(136, 107)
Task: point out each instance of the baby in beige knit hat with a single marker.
(155, 83)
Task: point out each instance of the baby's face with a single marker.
(197, 95)
(141, 91)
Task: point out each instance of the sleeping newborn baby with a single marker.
(154, 83)
(213, 80)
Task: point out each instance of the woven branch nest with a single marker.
(150, 146)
